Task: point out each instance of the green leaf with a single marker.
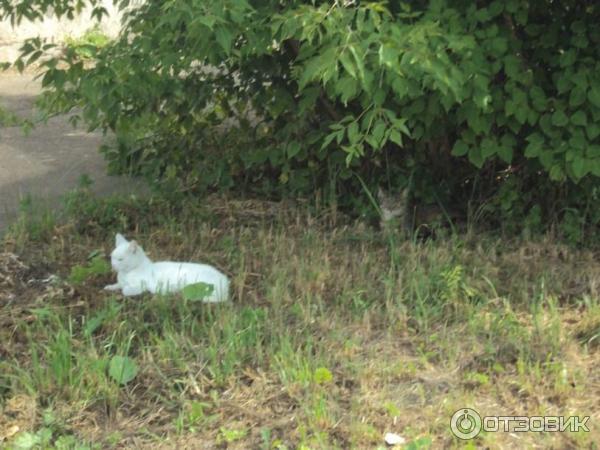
(593, 131)
(25, 441)
(396, 137)
(567, 58)
(347, 87)
(593, 151)
(505, 150)
(499, 46)
(460, 148)
(522, 113)
(328, 139)
(378, 131)
(559, 118)
(579, 167)
(579, 118)
(563, 84)
(353, 133)
(512, 66)
(594, 96)
(595, 167)
(488, 148)
(122, 369)
(556, 173)
(199, 291)
(348, 64)
(577, 96)
(224, 38)
(506, 154)
(538, 98)
(534, 148)
(475, 157)
(292, 149)
(388, 56)
(578, 141)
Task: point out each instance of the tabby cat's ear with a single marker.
(120, 239)
(380, 194)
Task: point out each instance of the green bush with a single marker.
(467, 101)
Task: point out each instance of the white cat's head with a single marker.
(127, 255)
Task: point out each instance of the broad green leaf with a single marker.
(579, 118)
(577, 97)
(593, 151)
(534, 148)
(359, 62)
(499, 46)
(353, 133)
(522, 113)
(556, 173)
(348, 64)
(505, 153)
(224, 38)
(505, 150)
(328, 139)
(559, 118)
(122, 369)
(579, 167)
(538, 98)
(567, 58)
(488, 148)
(475, 157)
(512, 66)
(378, 131)
(372, 142)
(594, 96)
(396, 137)
(312, 69)
(460, 148)
(200, 291)
(347, 87)
(292, 149)
(578, 140)
(388, 56)
(25, 441)
(563, 84)
(593, 131)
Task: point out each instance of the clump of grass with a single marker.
(331, 339)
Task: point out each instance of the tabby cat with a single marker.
(399, 212)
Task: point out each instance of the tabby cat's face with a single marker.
(392, 206)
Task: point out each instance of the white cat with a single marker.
(136, 273)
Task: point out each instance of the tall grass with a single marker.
(332, 336)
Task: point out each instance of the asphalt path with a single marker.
(47, 162)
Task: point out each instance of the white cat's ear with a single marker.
(120, 239)
(133, 246)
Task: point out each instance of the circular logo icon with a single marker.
(465, 423)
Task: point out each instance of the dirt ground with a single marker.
(48, 161)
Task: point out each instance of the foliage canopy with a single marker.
(493, 103)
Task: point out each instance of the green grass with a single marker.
(331, 340)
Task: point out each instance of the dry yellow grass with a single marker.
(328, 343)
